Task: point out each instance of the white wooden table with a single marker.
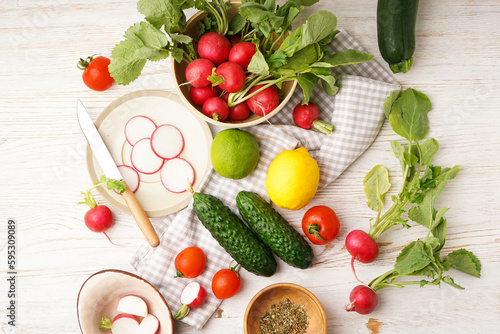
(43, 168)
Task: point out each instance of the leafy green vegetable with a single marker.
(408, 116)
(416, 256)
(464, 261)
(422, 182)
(376, 185)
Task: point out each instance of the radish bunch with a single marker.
(133, 318)
(156, 149)
(221, 71)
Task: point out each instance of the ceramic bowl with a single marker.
(272, 294)
(178, 70)
(100, 293)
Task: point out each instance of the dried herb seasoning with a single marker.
(284, 317)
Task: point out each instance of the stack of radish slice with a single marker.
(126, 322)
(156, 149)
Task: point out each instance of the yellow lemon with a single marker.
(292, 179)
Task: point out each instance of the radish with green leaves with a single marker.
(100, 218)
(421, 186)
(193, 296)
(422, 181)
(306, 116)
(230, 77)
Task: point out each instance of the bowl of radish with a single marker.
(219, 87)
(119, 302)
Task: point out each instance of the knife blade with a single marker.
(111, 171)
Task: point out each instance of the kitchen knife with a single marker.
(109, 168)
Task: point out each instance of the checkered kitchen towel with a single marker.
(356, 111)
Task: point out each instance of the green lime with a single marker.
(234, 153)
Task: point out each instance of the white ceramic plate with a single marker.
(100, 293)
(163, 108)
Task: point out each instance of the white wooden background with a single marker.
(43, 168)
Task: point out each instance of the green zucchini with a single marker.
(274, 230)
(396, 21)
(234, 236)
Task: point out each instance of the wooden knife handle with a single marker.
(141, 217)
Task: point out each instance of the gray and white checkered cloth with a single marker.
(357, 114)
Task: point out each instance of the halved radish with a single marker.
(175, 175)
(144, 159)
(167, 141)
(125, 324)
(137, 128)
(193, 296)
(134, 305)
(130, 176)
(149, 325)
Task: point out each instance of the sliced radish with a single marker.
(167, 141)
(193, 296)
(134, 305)
(144, 159)
(125, 324)
(175, 175)
(149, 325)
(137, 128)
(130, 176)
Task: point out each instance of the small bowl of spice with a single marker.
(285, 308)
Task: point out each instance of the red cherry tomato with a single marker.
(95, 73)
(320, 224)
(190, 263)
(226, 283)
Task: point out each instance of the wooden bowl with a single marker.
(179, 69)
(100, 293)
(272, 294)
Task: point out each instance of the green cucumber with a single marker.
(274, 230)
(396, 21)
(234, 236)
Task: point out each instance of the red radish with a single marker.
(193, 296)
(134, 305)
(230, 77)
(198, 71)
(199, 95)
(214, 47)
(362, 300)
(137, 128)
(239, 112)
(175, 175)
(216, 108)
(100, 218)
(144, 159)
(130, 176)
(307, 116)
(242, 53)
(361, 246)
(167, 141)
(122, 324)
(263, 102)
(149, 325)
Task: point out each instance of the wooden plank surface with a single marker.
(456, 63)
